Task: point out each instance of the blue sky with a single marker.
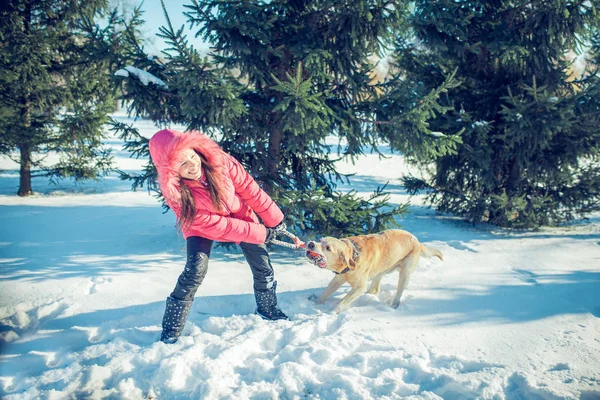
(155, 18)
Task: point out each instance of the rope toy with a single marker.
(298, 244)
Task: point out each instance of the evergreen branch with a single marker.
(131, 33)
(197, 8)
(179, 41)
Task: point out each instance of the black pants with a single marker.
(198, 252)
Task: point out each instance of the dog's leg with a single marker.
(374, 289)
(334, 285)
(354, 294)
(408, 265)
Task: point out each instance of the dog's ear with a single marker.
(343, 257)
(347, 256)
(352, 263)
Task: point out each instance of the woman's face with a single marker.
(191, 166)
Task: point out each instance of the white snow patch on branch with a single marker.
(144, 76)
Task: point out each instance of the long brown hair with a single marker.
(188, 205)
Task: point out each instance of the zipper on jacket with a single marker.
(227, 208)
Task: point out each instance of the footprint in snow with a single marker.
(22, 322)
(526, 276)
(519, 387)
(96, 282)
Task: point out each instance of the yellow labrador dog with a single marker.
(358, 259)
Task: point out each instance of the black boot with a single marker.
(176, 314)
(266, 302)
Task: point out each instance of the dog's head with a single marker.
(331, 253)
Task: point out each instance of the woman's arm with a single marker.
(225, 228)
(229, 229)
(247, 188)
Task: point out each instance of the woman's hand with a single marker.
(281, 227)
(271, 235)
(273, 232)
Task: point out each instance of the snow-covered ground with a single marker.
(85, 270)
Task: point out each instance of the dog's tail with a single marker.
(431, 252)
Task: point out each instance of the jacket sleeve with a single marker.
(247, 188)
(229, 229)
(226, 228)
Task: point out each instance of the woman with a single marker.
(214, 199)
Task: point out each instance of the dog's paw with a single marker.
(338, 309)
(395, 304)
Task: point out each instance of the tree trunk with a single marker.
(25, 173)
(513, 181)
(25, 148)
(274, 152)
(25, 145)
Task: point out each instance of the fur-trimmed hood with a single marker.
(166, 150)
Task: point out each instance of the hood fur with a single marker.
(166, 150)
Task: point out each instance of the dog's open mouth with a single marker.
(316, 258)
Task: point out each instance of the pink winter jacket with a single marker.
(243, 198)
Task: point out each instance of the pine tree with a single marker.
(282, 77)
(55, 86)
(531, 133)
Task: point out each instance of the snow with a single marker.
(144, 76)
(85, 269)
(437, 134)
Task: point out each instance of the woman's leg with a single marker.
(198, 252)
(180, 301)
(264, 281)
(260, 264)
